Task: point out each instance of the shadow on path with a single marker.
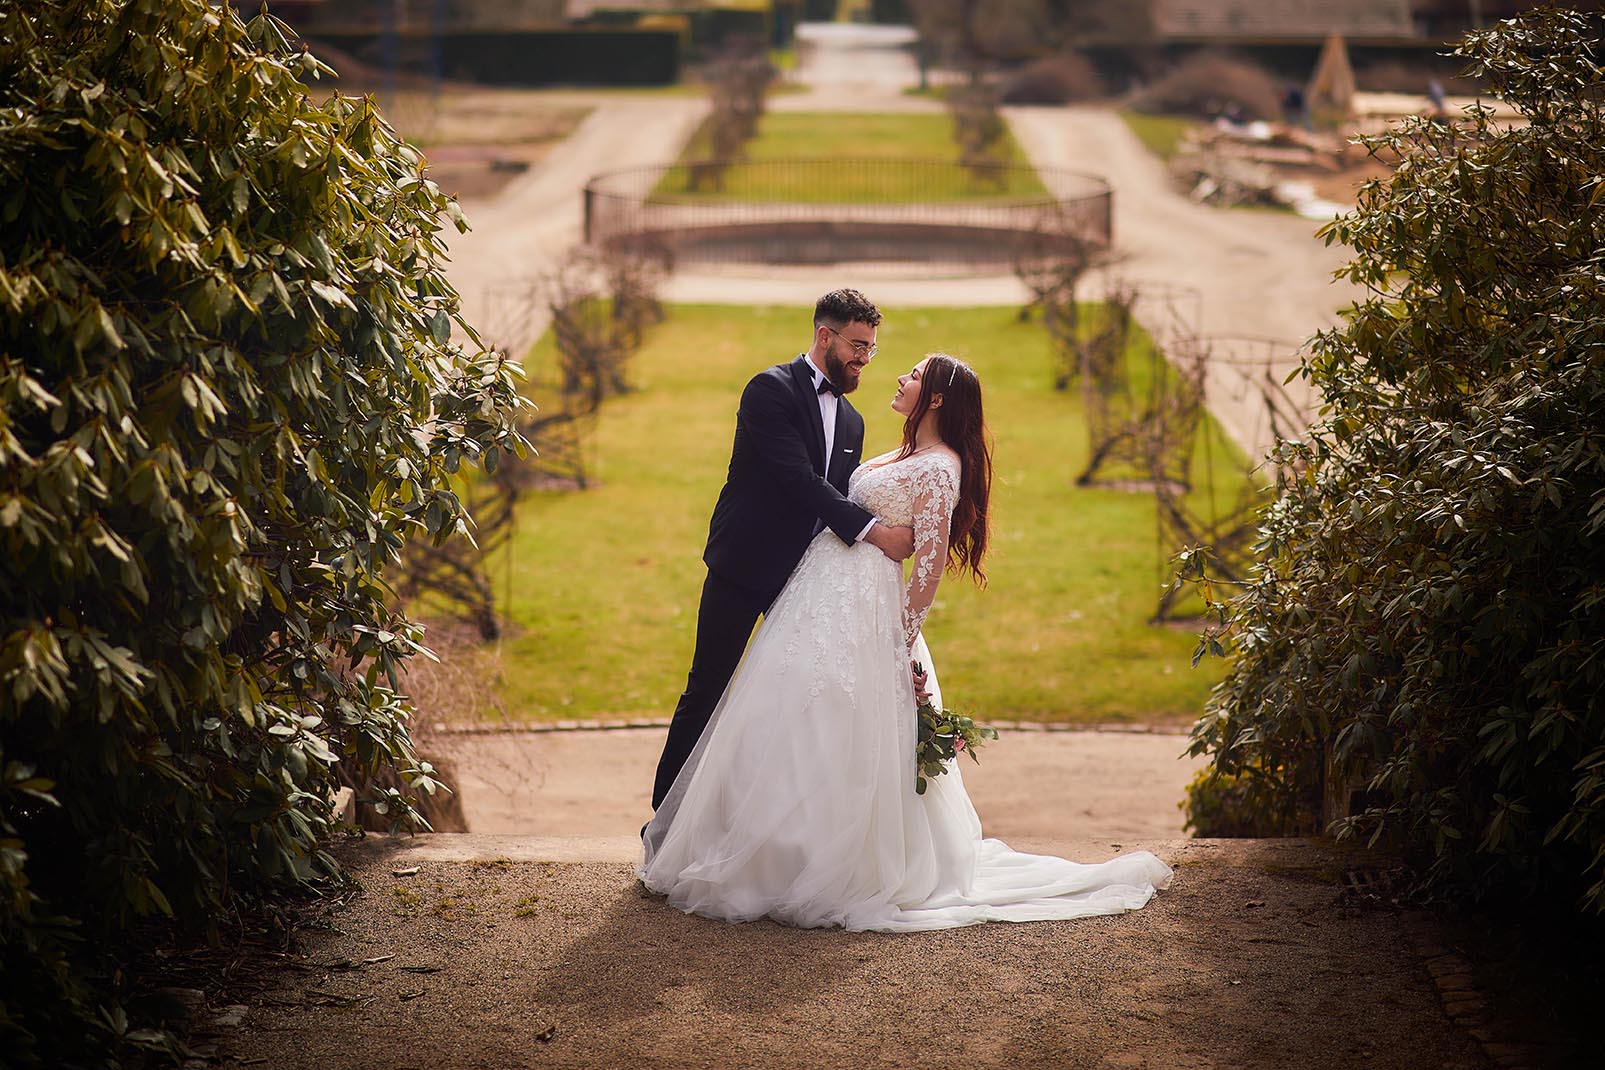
(1251, 960)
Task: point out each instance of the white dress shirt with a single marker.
(827, 414)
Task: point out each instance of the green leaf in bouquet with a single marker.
(942, 734)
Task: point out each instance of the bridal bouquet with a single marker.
(941, 735)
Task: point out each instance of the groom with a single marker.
(797, 441)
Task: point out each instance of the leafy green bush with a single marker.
(1428, 619)
(1249, 803)
(227, 396)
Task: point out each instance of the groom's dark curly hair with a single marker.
(840, 307)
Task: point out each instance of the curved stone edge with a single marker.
(663, 722)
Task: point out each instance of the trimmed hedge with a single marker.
(580, 55)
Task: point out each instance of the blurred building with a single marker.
(1280, 22)
(1447, 19)
(1128, 40)
(1251, 23)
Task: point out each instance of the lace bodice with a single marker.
(921, 491)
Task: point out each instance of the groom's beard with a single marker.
(836, 370)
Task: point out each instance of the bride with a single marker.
(798, 802)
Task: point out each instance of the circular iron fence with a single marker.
(817, 211)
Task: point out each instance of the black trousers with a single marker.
(725, 620)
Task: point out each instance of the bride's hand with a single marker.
(920, 694)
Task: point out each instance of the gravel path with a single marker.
(532, 223)
(1256, 273)
(1250, 961)
(845, 66)
(1106, 787)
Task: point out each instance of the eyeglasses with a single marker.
(863, 349)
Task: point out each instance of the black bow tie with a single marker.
(827, 387)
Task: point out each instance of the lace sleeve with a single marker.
(936, 491)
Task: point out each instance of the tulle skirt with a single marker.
(798, 803)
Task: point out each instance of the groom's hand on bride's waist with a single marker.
(896, 543)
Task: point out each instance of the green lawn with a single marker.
(867, 156)
(1161, 134)
(604, 583)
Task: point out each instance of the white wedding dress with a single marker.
(798, 802)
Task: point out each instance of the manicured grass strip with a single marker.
(868, 156)
(604, 583)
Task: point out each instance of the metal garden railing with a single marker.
(836, 210)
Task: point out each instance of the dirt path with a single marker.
(1251, 960)
(846, 66)
(1257, 273)
(534, 221)
(1103, 787)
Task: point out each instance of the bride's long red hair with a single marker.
(962, 426)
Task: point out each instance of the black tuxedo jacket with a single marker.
(780, 482)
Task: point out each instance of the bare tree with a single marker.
(1223, 524)
(980, 131)
(601, 304)
(1053, 286)
(739, 82)
(1148, 424)
(634, 278)
(452, 572)
(1052, 265)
